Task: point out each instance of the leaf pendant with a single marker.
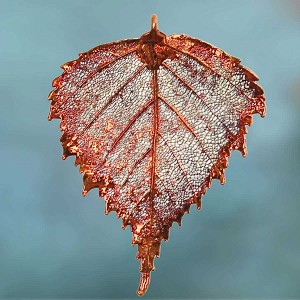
(151, 122)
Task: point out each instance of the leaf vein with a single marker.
(186, 124)
(189, 87)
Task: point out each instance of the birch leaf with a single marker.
(151, 121)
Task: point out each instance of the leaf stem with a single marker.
(154, 22)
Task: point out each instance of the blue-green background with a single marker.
(245, 243)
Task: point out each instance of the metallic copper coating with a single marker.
(151, 122)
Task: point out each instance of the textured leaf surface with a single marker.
(151, 122)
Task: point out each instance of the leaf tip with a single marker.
(144, 283)
(68, 65)
(198, 202)
(222, 180)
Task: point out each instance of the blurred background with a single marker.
(245, 243)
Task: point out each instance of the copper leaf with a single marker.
(151, 122)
